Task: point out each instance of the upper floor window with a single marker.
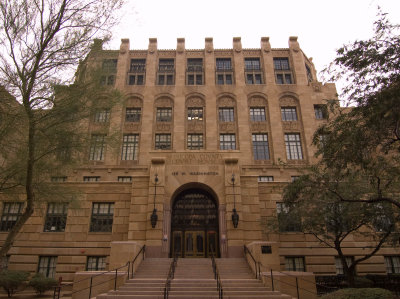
(58, 179)
(124, 179)
(11, 213)
(163, 141)
(257, 114)
(289, 113)
(97, 147)
(91, 178)
(195, 113)
(295, 263)
(102, 217)
(133, 114)
(224, 71)
(223, 64)
(56, 217)
(283, 75)
(252, 64)
(136, 79)
(107, 80)
(260, 146)
(288, 220)
(194, 71)
(102, 116)
(47, 266)
(110, 65)
(226, 114)
(137, 65)
(320, 111)
(339, 264)
(166, 65)
(293, 146)
(166, 68)
(294, 178)
(130, 147)
(164, 114)
(309, 74)
(265, 178)
(227, 141)
(194, 141)
(253, 71)
(96, 263)
(392, 264)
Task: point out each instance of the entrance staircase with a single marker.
(194, 279)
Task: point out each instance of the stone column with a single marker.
(222, 230)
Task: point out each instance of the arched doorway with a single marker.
(194, 224)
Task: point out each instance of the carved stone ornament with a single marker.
(163, 127)
(195, 102)
(259, 126)
(288, 101)
(135, 127)
(226, 102)
(164, 102)
(316, 86)
(257, 101)
(134, 102)
(227, 127)
(195, 126)
(291, 125)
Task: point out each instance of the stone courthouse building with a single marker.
(209, 138)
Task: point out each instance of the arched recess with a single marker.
(195, 221)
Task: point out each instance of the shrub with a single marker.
(41, 283)
(12, 280)
(366, 293)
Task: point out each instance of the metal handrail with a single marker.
(256, 264)
(57, 289)
(170, 276)
(216, 276)
(142, 250)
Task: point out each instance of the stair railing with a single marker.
(141, 251)
(129, 265)
(171, 274)
(216, 275)
(257, 267)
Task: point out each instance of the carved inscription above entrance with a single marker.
(194, 159)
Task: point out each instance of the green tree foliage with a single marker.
(41, 118)
(41, 283)
(366, 293)
(12, 280)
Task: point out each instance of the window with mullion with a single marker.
(47, 266)
(339, 264)
(133, 114)
(257, 114)
(163, 141)
(137, 65)
(164, 114)
(227, 141)
(97, 147)
(392, 264)
(260, 147)
(223, 64)
(56, 217)
(281, 64)
(96, 263)
(226, 114)
(293, 146)
(289, 113)
(194, 141)
(195, 113)
(130, 146)
(102, 217)
(252, 64)
(102, 116)
(11, 212)
(294, 263)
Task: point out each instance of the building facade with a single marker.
(208, 140)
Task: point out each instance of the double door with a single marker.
(194, 243)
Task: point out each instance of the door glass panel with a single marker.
(177, 242)
(212, 242)
(200, 243)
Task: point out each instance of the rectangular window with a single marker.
(253, 78)
(260, 146)
(281, 64)
(47, 266)
(309, 74)
(194, 141)
(163, 141)
(133, 115)
(110, 65)
(252, 64)
(11, 212)
(136, 79)
(224, 79)
(56, 217)
(257, 114)
(320, 111)
(289, 113)
(130, 147)
(295, 263)
(294, 178)
(137, 65)
(223, 64)
(96, 263)
(97, 147)
(195, 113)
(124, 179)
(102, 116)
(265, 178)
(339, 264)
(288, 220)
(392, 264)
(226, 114)
(164, 114)
(166, 65)
(195, 65)
(102, 217)
(227, 141)
(58, 179)
(293, 146)
(91, 178)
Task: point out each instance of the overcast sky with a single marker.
(321, 26)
